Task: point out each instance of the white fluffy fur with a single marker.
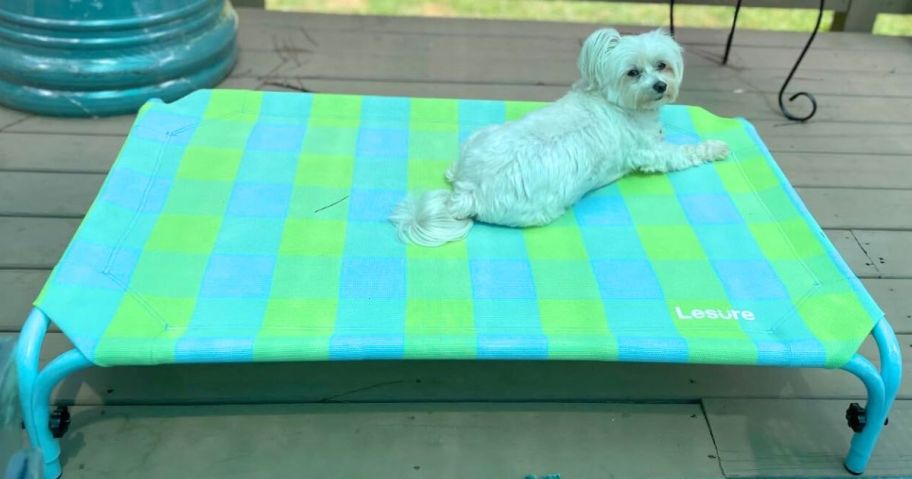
(528, 172)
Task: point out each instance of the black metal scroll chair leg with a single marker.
(671, 17)
(731, 33)
(792, 73)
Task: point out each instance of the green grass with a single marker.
(598, 12)
(890, 24)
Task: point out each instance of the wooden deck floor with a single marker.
(852, 164)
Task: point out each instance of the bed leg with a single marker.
(35, 387)
(882, 387)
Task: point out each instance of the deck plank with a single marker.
(889, 251)
(545, 29)
(18, 288)
(857, 258)
(48, 194)
(411, 381)
(783, 438)
(58, 153)
(833, 137)
(894, 296)
(391, 441)
(846, 170)
(539, 59)
(111, 125)
(296, 45)
(10, 117)
(848, 208)
(318, 45)
(29, 243)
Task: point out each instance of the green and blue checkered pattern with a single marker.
(248, 226)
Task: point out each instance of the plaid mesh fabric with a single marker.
(248, 226)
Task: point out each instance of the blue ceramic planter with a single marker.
(104, 57)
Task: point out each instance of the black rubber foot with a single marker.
(851, 471)
(856, 416)
(59, 421)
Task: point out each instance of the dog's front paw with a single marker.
(714, 150)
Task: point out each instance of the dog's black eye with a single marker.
(661, 66)
(633, 73)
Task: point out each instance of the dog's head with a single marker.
(636, 72)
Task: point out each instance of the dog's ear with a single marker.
(674, 49)
(593, 55)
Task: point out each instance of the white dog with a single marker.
(528, 172)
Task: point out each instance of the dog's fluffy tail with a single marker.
(434, 218)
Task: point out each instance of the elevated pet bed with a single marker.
(241, 226)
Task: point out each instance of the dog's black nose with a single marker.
(660, 86)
